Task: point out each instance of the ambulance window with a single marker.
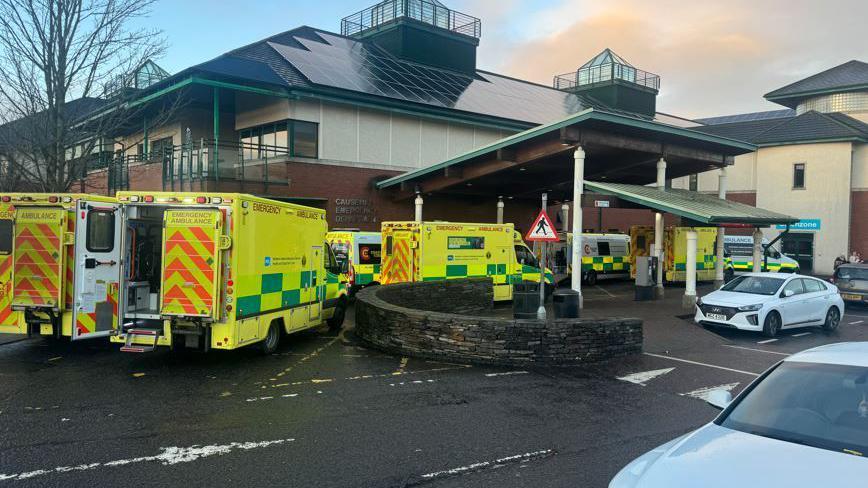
(330, 261)
(603, 248)
(341, 251)
(525, 257)
(100, 231)
(388, 245)
(5, 236)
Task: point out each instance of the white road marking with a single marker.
(701, 364)
(767, 341)
(802, 334)
(489, 464)
(857, 322)
(508, 373)
(169, 456)
(702, 393)
(757, 350)
(408, 383)
(604, 290)
(645, 376)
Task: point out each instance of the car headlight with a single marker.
(751, 308)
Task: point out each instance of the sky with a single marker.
(714, 57)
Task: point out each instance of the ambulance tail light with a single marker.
(134, 198)
(351, 275)
(52, 199)
(6, 199)
(201, 200)
(216, 200)
(67, 199)
(149, 199)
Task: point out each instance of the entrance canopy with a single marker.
(699, 207)
(619, 147)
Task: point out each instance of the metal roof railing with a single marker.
(606, 72)
(420, 10)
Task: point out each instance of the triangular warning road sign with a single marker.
(542, 229)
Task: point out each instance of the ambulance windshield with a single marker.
(525, 257)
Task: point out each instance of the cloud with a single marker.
(714, 58)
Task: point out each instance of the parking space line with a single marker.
(604, 290)
(508, 373)
(802, 334)
(767, 341)
(700, 364)
(857, 322)
(757, 350)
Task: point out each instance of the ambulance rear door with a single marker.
(97, 269)
(191, 260)
(37, 257)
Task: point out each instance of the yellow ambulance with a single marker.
(209, 271)
(358, 254)
(430, 251)
(49, 260)
(675, 250)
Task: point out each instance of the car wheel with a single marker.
(591, 277)
(728, 275)
(337, 321)
(271, 341)
(772, 324)
(833, 318)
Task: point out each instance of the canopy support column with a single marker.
(418, 202)
(658, 229)
(757, 250)
(689, 300)
(500, 210)
(721, 233)
(565, 218)
(578, 188)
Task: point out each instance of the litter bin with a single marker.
(566, 303)
(525, 300)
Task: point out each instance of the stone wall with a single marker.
(447, 320)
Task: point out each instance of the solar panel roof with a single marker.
(349, 64)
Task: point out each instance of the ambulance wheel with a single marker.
(591, 278)
(337, 321)
(272, 339)
(728, 275)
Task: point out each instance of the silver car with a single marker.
(803, 423)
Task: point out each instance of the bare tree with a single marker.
(64, 65)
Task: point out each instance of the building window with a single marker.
(799, 176)
(693, 183)
(292, 137)
(305, 139)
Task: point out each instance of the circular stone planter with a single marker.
(446, 320)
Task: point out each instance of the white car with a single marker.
(802, 424)
(769, 302)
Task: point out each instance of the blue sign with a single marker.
(268, 261)
(806, 224)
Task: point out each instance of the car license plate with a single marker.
(716, 316)
(847, 296)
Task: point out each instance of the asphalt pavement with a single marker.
(326, 411)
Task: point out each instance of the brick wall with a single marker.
(385, 320)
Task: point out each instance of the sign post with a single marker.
(542, 231)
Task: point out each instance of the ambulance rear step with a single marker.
(133, 333)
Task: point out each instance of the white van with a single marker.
(738, 257)
(604, 256)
